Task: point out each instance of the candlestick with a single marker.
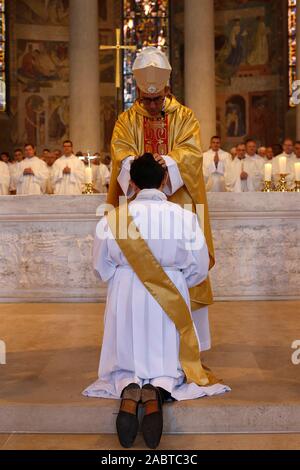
(297, 171)
(282, 185)
(268, 171)
(282, 165)
(88, 175)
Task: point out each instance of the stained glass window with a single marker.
(292, 16)
(2, 57)
(146, 22)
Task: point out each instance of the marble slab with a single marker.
(46, 247)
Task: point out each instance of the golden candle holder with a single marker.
(268, 187)
(282, 185)
(88, 189)
(297, 187)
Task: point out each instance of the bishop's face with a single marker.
(153, 103)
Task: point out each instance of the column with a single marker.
(200, 87)
(298, 73)
(84, 75)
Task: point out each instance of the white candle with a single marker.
(88, 175)
(297, 171)
(268, 172)
(282, 165)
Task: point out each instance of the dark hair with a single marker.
(29, 144)
(68, 142)
(147, 173)
(215, 137)
(6, 154)
(46, 150)
(18, 150)
(248, 141)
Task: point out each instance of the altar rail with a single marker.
(46, 245)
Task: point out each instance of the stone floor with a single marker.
(168, 442)
(53, 353)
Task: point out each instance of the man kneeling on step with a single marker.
(150, 352)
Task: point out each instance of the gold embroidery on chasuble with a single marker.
(156, 135)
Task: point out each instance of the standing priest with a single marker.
(159, 124)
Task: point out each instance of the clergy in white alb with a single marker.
(68, 173)
(245, 173)
(101, 178)
(31, 174)
(214, 161)
(237, 180)
(13, 167)
(141, 342)
(4, 179)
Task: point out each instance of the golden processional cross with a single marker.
(119, 48)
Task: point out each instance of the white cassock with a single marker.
(175, 182)
(214, 174)
(49, 188)
(4, 179)
(141, 343)
(290, 178)
(232, 175)
(68, 185)
(12, 167)
(253, 166)
(101, 177)
(31, 185)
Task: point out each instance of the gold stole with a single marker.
(160, 286)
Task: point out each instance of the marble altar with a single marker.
(46, 243)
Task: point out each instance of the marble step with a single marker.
(197, 417)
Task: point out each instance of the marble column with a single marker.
(84, 75)
(200, 88)
(298, 73)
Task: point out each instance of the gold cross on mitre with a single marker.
(118, 47)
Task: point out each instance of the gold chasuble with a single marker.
(176, 134)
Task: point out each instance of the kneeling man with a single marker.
(150, 351)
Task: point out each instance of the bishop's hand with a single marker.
(160, 160)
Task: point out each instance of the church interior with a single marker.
(66, 75)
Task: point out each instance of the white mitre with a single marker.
(152, 70)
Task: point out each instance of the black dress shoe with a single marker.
(152, 424)
(127, 420)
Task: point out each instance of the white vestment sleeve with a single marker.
(107, 175)
(4, 179)
(102, 262)
(56, 174)
(41, 175)
(197, 265)
(211, 169)
(175, 181)
(77, 174)
(124, 177)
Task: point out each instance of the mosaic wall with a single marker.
(39, 72)
(250, 70)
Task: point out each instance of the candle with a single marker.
(268, 172)
(297, 171)
(282, 165)
(88, 175)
